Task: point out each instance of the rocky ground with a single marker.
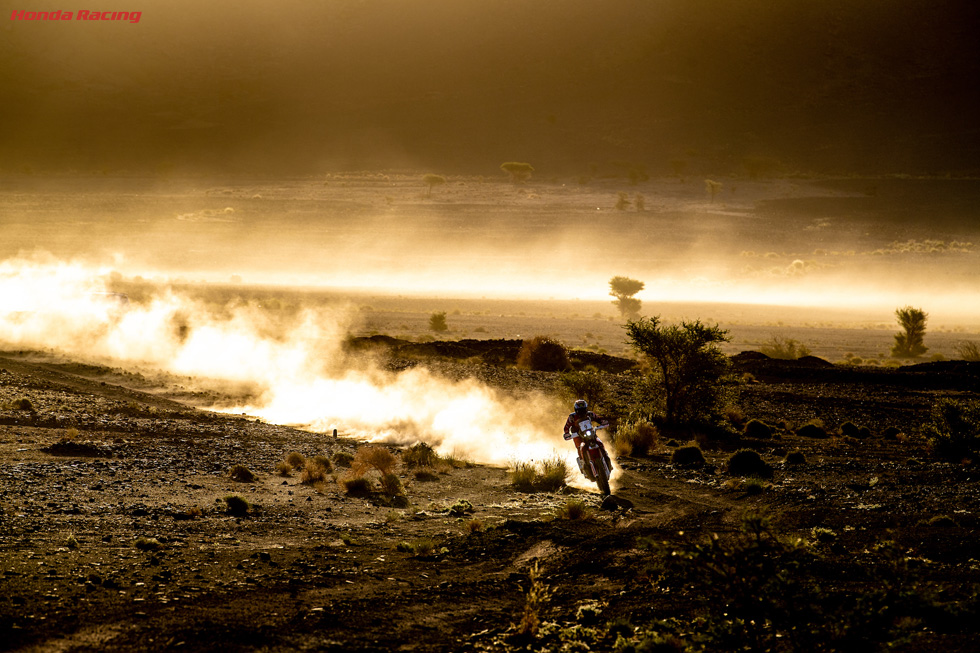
(116, 532)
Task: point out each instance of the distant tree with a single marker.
(623, 289)
(622, 201)
(969, 350)
(437, 322)
(688, 371)
(713, 187)
(908, 343)
(641, 202)
(519, 172)
(433, 180)
(784, 348)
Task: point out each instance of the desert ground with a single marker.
(262, 315)
(116, 532)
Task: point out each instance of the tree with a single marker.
(433, 180)
(623, 289)
(437, 322)
(688, 372)
(712, 187)
(908, 344)
(519, 172)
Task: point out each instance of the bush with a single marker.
(746, 462)
(437, 322)
(583, 385)
(373, 457)
(543, 354)
(284, 469)
(343, 459)
(811, 430)
(688, 456)
(688, 372)
(850, 429)
(237, 506)
(636, 439)
(757, 429)
(784, 348)
(953, 431)
(420, 455)
(460, 508)
(969, 350)
(242, 474)
(313, 474)
(795, 458)
(550, 476)
(296, 460)
(357, 487)
(324, 462)
(391, 485)
(522, 477)
(147, 544)
(21, 403)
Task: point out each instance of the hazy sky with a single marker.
(304, 85)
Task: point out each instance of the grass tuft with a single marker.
(574, 510)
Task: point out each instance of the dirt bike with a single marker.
(596, 466)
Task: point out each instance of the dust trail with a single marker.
(297, 368)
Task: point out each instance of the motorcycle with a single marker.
(597, 467)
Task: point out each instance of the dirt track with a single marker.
(121, 539)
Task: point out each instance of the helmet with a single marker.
(581, 408)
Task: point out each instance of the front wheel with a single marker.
(602, 479)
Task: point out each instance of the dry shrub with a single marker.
(426, 475)
(22, 403)
(323, 462)
(391, 485)
(313, 474)
(242, 474)
(475, 525)
(420, 455)
(237, 506)
(373, 457)
(537, 596)
(357, 487)
(636, 439)
(747, 462)
(522, 478)
(813, 429)
(554, 473)
(455, 460)
(296, 460)
(795, 458)
(688, 456)
(758, 430)
(543, 354)
(574, 509)
(284, 469)
(343, 459)
(148, 544)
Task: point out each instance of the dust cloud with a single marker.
(297, 371)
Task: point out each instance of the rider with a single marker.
(580, 412)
